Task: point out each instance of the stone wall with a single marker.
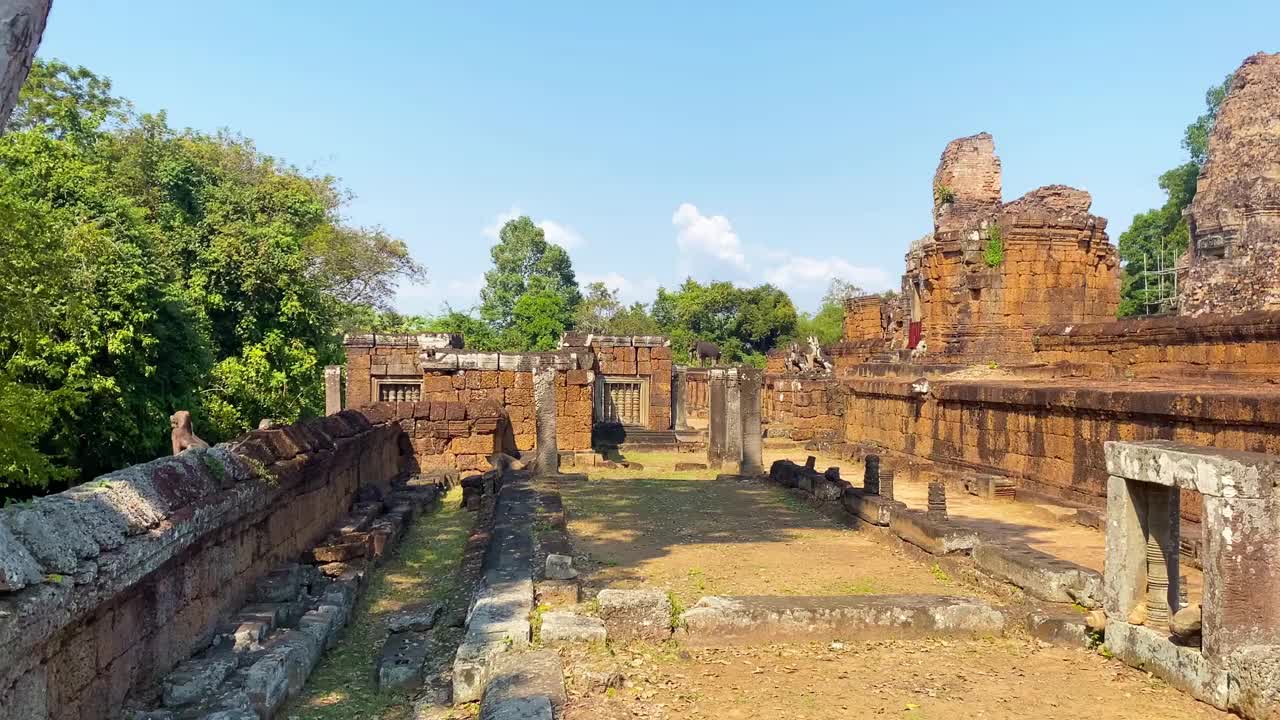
(509, 392)
(1235, 216)
(802, 408)
(109, 585)
(459, 406)
(1049, 435)
(1241, 347)
(642, 357)
(864, 318)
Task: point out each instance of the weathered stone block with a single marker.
(736, 620)
(636, 614)
(402, 658)
(1040, 574)
(567, 627)
(937, 537)
(558, 593)
(194, 680)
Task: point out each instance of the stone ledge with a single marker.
(936, 537)
(1209, 471)
(757, 620)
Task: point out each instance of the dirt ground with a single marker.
(913, 680)
(695, 536)
(699, 537)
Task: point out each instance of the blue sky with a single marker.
(751, 142)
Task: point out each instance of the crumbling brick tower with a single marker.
(992, 272)
(1233, 263)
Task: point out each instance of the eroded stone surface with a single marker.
(636, 614)
(567, 627)
(740, 620)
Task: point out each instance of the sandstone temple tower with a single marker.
(993, 271)
(1233, 263)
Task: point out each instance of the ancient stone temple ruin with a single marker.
(992, 271)
(1235, 216)
(1030, 467)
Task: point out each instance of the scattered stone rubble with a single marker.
(261, 656)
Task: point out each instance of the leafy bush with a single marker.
(993, 255)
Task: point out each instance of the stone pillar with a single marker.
(716, 424)
(332, 389)
(886, 484)
(544, 405)
(733, 419)
(749, 386)
(680, 398)
(871, 475)
(937, 508)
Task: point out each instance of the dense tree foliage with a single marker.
(145, 269)
(1158, 237)
(744, 322)
(828, 323)
(528, 268)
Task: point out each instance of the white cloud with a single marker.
(629, 291)
(792, 272)
(711, 236)
(556, 233)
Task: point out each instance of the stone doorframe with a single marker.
(1237, 666)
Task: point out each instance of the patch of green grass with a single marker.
(939, 574)
(698, 580)
(423, 567)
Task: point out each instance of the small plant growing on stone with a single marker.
(535, 622)
(993, 255)
(943, 195)
(677, 609)
(55, 578)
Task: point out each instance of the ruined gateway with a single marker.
(210, 584)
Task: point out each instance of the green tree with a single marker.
(744, 322)
(597, 310)
(1158, 237)
(827, 324)
(633, 320)
(144, 270)
(523, 261)
(540, 317)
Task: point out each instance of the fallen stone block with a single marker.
(323, 624)
(567, 627)
(280, 585)
(1062, 627)
(531, 708)
(300, 652)
(402, 658)
(524, 675)
(195, 680)
(345, 548)
(683, 466)
(557, 593)
(1040, 574)
(716, 621)
(267, 684)
(471, 668)
(938, 537)
(636, 614)
(560, 567)
(869, 507)
(418, 618)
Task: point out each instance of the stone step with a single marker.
(719, 621)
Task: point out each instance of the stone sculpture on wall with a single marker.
(182, 436)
